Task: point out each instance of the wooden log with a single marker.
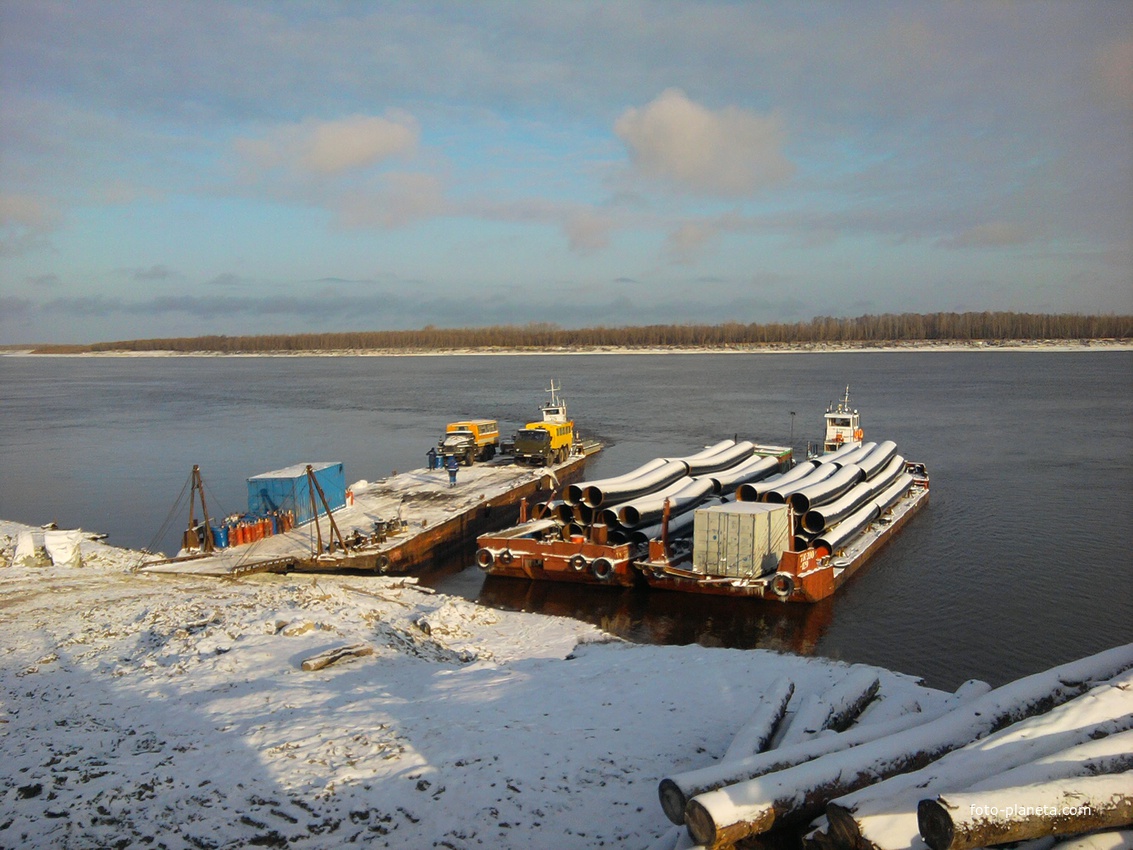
(675, 791)
(756, 734)
(333, 656)
(799, 793)
(887, 819)
(836, 709)
(967, 820)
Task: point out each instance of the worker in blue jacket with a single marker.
(450, 465)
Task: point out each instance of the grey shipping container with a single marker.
(290, 490)
(739, 539)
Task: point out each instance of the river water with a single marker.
(1021, 561)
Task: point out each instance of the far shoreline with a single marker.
(1057, 346)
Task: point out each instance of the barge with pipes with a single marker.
(305, 518)
(736, 519)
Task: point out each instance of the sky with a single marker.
(191, 168)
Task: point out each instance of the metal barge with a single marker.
(408, 522)
(762, 527)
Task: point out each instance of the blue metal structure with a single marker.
(290, 490)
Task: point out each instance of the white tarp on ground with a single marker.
(25, 555)
(63, 547)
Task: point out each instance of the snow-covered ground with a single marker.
(173, 711)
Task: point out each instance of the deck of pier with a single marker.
(435, 514)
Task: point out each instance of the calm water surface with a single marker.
(1020, 561)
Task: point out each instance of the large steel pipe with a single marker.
(546, 510)
(890, 496)
(876, 460)
(826, 490)
(679, 526)
(573, 493)
(750, 493)
(847, 454)
(721, 456)
(818, 519)
(838, 535)
(779, 493)
(749, 472)
(650, 508)
(598, 492)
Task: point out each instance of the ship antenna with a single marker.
(552, 391)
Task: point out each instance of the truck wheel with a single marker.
(489, 453)
(469, 458)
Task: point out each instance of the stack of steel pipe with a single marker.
(636, 500)
(755, 491)
(831, 539)
(749, 472)
(572, 495)
(820, 517)
(826, 490)
(849, 453)
(781, 491)
(650, 509)
(723, 455)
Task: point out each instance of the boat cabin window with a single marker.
(840, 422)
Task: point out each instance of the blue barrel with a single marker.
(220, 536)
(275, 523)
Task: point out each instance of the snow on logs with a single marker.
(885, 814)
(787, 788)
(964, 821)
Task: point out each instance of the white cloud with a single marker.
(587, 232)
(728, 152)
(331, 148)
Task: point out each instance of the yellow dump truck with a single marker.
(470, 440)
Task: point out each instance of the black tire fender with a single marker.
(602, 568)
(783, 585)
(578, 563)
(485, 558)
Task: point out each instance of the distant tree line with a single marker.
(888, 328)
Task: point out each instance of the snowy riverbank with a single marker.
(174, 711)
(784, 348)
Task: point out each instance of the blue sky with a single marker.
(187, 168)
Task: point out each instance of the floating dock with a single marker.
(398, 525)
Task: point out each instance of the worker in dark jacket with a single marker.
(450, 465)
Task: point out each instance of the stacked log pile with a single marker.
(1046, 756)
